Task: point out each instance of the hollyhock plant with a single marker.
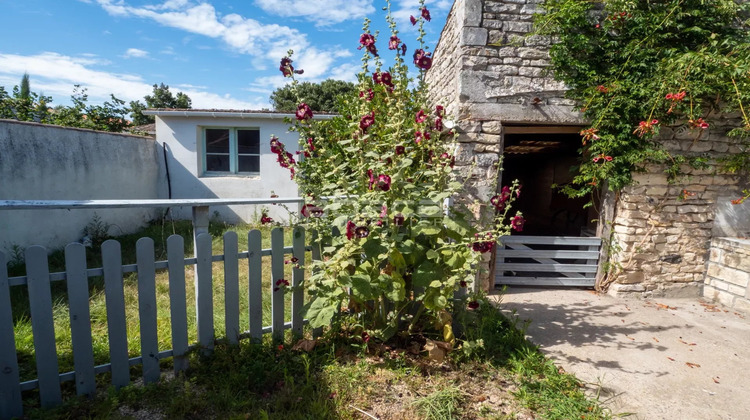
(304, 112)
(384, 165)
(426, 14)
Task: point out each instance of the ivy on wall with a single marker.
(635, 66)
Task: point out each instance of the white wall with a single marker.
(183, 137)
(45, 162)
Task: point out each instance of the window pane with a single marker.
(249, 163)
(218, 163)
(248, 142)
(217, 140)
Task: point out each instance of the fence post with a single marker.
(255, 284)
(115, 301)
(43, 326)
(298, 275)
(80, 318)
(231, 288)
(10, 389)
(277, 290)
(177, 303)
(204, 304)
(147, 310)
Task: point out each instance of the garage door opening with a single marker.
(557, 246)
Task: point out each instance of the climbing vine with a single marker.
(634, 66)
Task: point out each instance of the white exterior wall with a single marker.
(45, 162)
(183, 138)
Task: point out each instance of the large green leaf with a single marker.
(361, 287)
(320, 312)
(425, 273)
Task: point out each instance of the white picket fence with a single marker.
(38, 282)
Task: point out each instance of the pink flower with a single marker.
(418, 137)
(304, 112)
(517, 223)
(413, 20)
(518, 191)
(384, 182)
(367, 121)
(426, 14)
(420, 117)
(350, 226)
(384, 211)
(393, 43)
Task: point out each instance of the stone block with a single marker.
(729, 275)
(496, 7)
(735, 260)
(472, 12)
(742, 305)
(474, 36)
(492, 127)
(736, 290)
(530, 71)
(522, 27)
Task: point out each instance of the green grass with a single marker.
(159, 232)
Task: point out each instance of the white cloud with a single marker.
(135, 53)
(269, 42)
(321, 12)
(55, 74)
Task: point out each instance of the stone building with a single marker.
(492, 77)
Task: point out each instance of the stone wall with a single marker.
(662, 229)
(728, 274)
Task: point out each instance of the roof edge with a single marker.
(228, 114)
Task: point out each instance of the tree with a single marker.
(110, 116)
(161, 97)
(23, 104)
(321, 97)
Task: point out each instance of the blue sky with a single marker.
(223, 54)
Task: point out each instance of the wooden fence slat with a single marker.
(147, 310)
(255, 284)
(115, 300)
(277, 290)
(550, 240)
(546, 281)
(204, 304)
(80, 318)
(549, 253)
(43, 326)
(177, 301)
(298, 275)
(315, 254)
(548, 268)
(231, 288)
(11, 404)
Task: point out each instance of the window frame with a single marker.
(233, 152)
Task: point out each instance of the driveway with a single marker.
(657, 359)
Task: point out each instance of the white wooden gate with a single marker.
(547, 261)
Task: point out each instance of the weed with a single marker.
(443, 404)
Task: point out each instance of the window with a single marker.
(231, 150)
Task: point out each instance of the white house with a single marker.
(226, 154)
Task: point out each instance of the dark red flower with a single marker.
(418, 136)
(362, 231)
(368, 41)
(367, 121)
(393, 43)
(276, 146)
(517, 223)
(462, 283)
(285, 67)
(400, 150)
(403, 49)
(398, 220)
(426, 14)
(424, 62)
(473, 305)
(304, 112)
(439, 111)
(386, 79)
(350, 226)
(367, 95)
(420, 117)
(413, 20)
(438, 124)
(311, 210)
(264, 219)
(310, 144)
(384, 182)
(518, 191)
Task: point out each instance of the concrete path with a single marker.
(657, 359)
